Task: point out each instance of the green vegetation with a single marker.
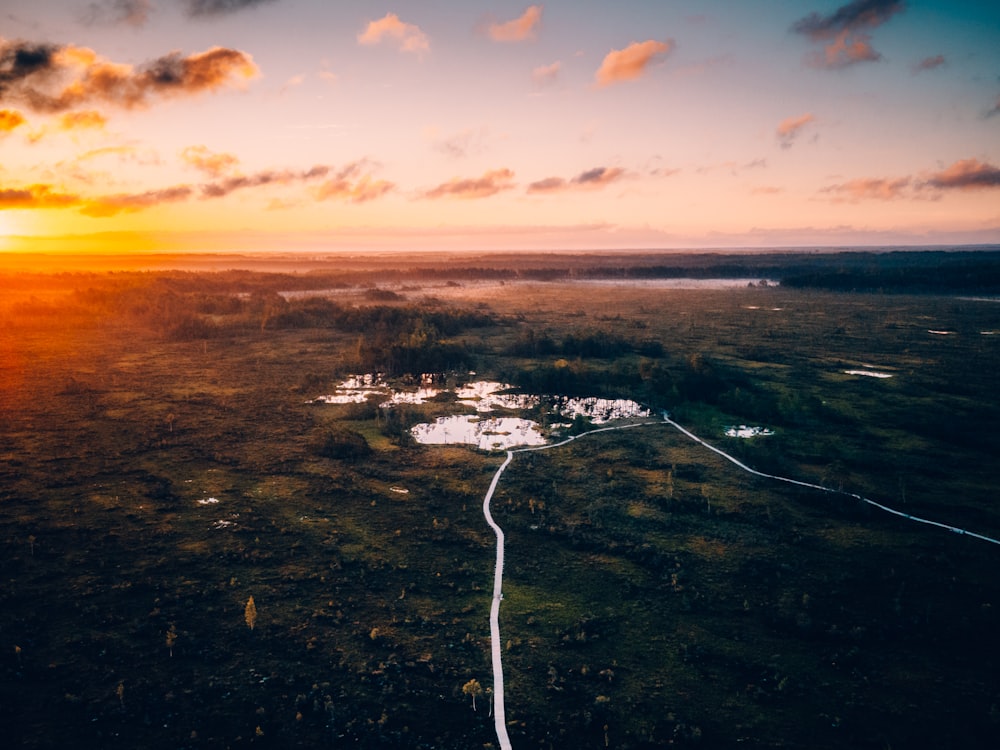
(195, 554)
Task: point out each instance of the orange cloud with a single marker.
(632, 62)
(519, 29)
(363, 190)
(967, 174)
(790, 128)
(490, 183)
(545, 75)
(35, 196)
(409, 36)
(50, 78)
(871, 188)
(10, 119)
(211, 163)
(595, 178)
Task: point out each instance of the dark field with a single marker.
(654, 594)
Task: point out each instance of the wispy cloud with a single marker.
(490, 183)
(966, 174)
(212, 164)
(112, 205)
(632, 62)
(595, 178)
(994, 110)
(353, 184)
(114, 12)
(790, 128)
(52, 78)
(845, 32)
(209, 8)
(871, 188)
(929, 63)
(10, 119)
(523, 27)
(70, 122)
(463, 144)
(408, 36)
(546, 75)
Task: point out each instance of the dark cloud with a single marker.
(208, 8)
(115, 12)
(966, 174)
(22, 60)
(844, 32)
(929, 63)
(857, 15)
(49, 78)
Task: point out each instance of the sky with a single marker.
(310, 125)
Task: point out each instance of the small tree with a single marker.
(171, 638)
(473, 688)
(250, 613)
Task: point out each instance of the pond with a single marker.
(484, 396)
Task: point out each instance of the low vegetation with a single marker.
(194, 553)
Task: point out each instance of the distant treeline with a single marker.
(941, 269)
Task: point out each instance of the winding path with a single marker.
(499, 711)
(887, 509)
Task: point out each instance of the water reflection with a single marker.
(485, 396)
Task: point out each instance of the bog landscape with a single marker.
(242, 501)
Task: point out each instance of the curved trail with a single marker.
(499, 711)
(887, 509)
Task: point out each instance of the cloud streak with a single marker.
(596, 178)
(51, 78)
(845, 32)
(407, 36)
(632, 62)
(519, 29)
(490, 183)
(35, 196)
(871, 188)
(964, 175)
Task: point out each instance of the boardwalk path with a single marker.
(499, 711)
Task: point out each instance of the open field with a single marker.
(161, 462)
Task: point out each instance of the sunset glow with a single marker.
(303, 124)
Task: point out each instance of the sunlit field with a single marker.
(175, 441)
